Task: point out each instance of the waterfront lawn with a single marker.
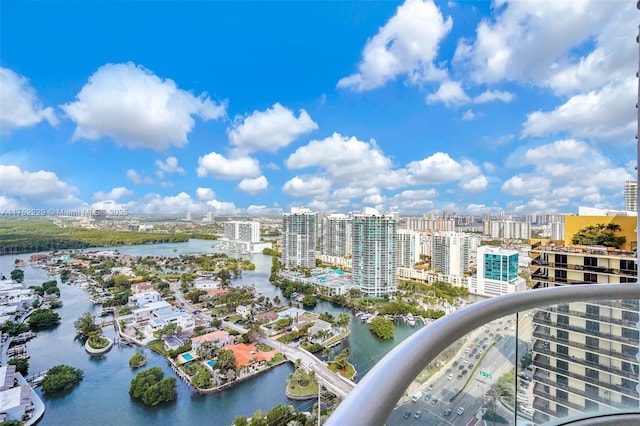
(348, 372)
(98, 342)
(277, 359)
(157, 346)
(302, 384)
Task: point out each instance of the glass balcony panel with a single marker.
(573, 359)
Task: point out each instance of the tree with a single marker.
(241, 420)
(22, 365)
(61, 378)
(202, 379)
(382, 327)
(17, 275)
(226, 359)
(137, 360)
(343, 320)
(150, 387)
(43, 318)
(326, 316)
(309, 300)
(86, 324)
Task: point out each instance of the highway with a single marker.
(468, 391)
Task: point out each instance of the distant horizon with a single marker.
(416, 106)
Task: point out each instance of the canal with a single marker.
(102, 397)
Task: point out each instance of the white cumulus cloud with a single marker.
(19, 104)
(306, 186)
(216, 165)
(440, 168)
(406, 45)
(170, 165)
(36, 189)
(253, 186)
(269, 130)
(115, 194)
(137, 109)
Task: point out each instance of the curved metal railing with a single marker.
(375, 396)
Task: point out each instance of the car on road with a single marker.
(427, 396)
(417, 414)
(450, 377)
(434, 401)
(447, 412)
(464, 372)
(460, 410)
(470, 366)
(430, 387)
(406, 414)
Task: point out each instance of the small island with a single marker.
(137, 360)
(152, 388)
(61, 378)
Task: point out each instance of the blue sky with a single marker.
(255, 107)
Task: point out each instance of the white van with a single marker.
(416, 396)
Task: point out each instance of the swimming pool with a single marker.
(211, 363)
(187, 356)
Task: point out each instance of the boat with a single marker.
(411, 320)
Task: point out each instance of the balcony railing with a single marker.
(373, 399)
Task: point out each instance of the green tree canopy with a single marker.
(60, 378)
(226, 359)
(43, 318)
(382, 327)
(86, 324)
(150, 387)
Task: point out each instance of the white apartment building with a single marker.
(299, 229)
(408, 247)
(430, 223)
(374, 252)
(631, 195)
(450, 253)
(336, 235)
(507, 229)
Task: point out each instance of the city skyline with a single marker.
(414, 107)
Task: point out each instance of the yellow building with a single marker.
(572, 224)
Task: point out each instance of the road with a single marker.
(333, 382)
(452, 389)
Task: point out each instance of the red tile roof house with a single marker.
(220, 337)
(248, 356)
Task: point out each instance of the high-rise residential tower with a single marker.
(631, 195)
(299, 229)
(585, 354)
(408, 248)
(450, 253)
(336, 235)
(374, 252)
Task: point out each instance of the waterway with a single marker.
(102, 397)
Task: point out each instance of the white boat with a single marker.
(411, 320)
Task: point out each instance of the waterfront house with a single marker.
(146, 311)
(206, 283)
(219, 337)
(248, 356)
(142, 299)
(320, 326)
(164, 317)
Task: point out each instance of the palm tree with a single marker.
(613, 227)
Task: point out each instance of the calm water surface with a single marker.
(102, 397)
